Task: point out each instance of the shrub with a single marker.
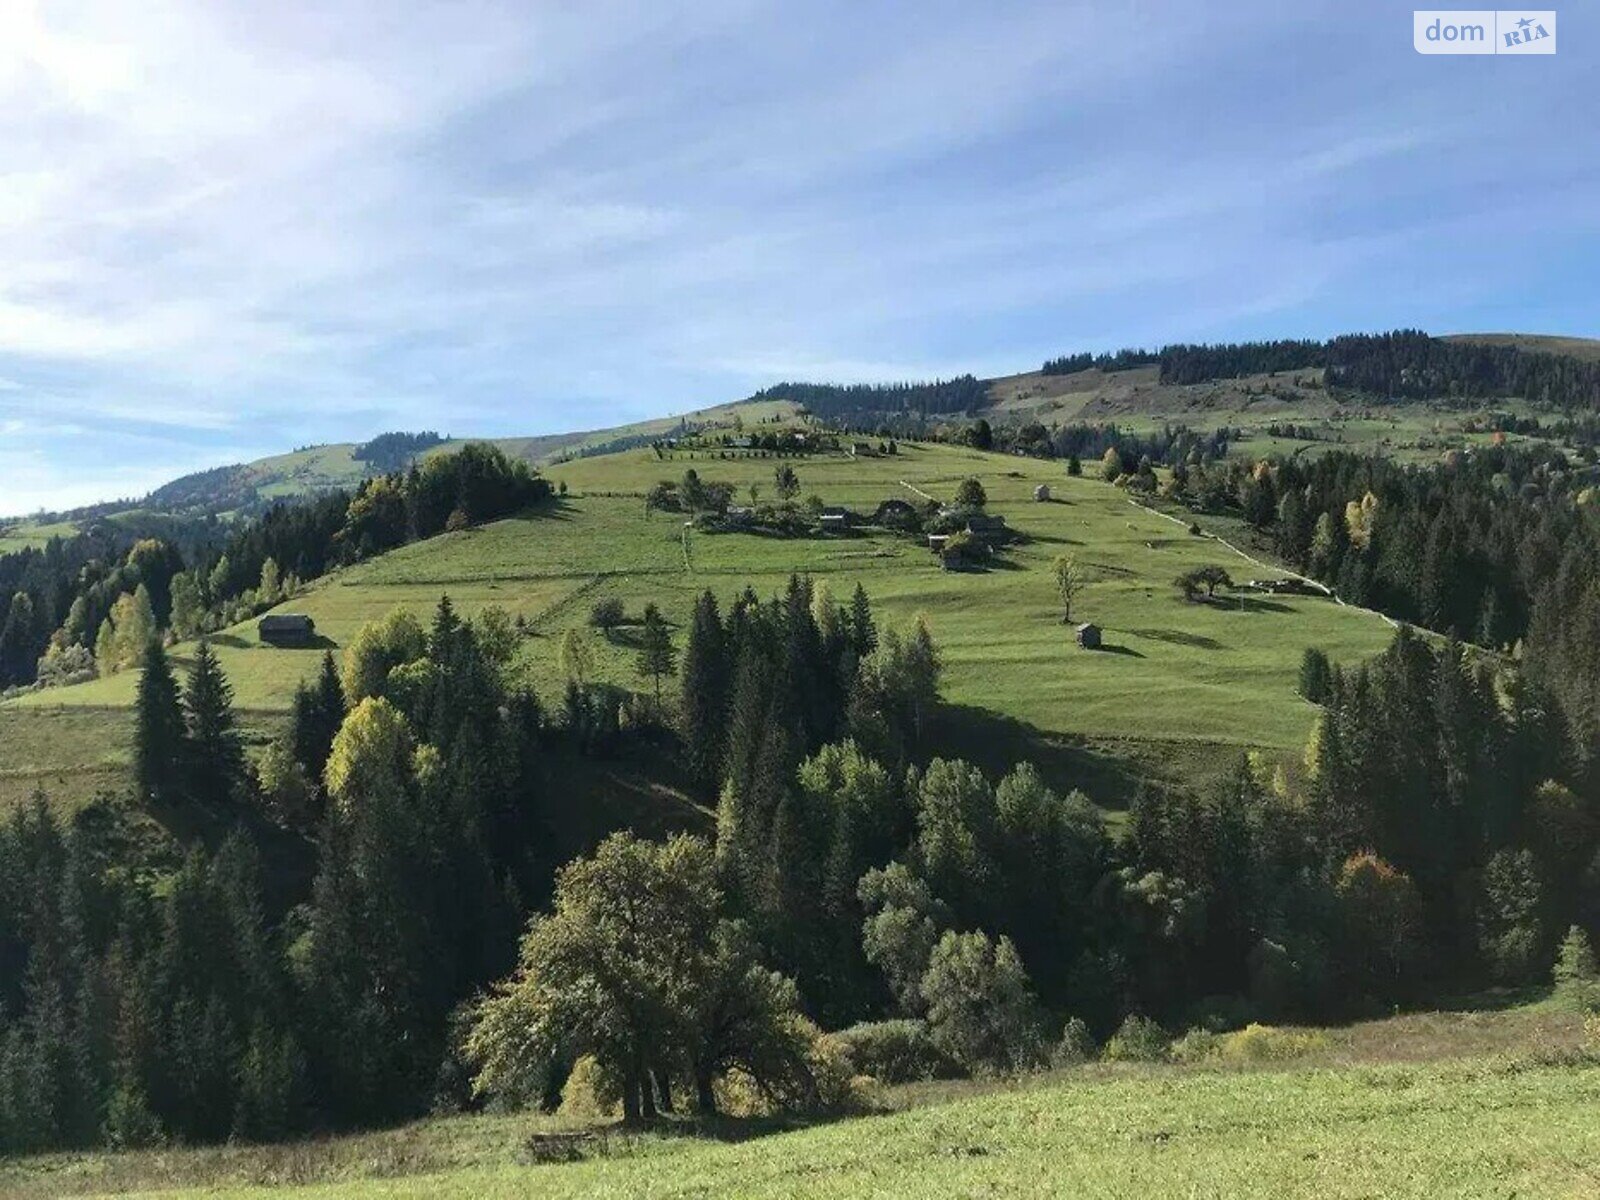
(896, 1051)
(607, 614)
(1268, 1043)
(1198, 1045)
(1138, 1039)
(1076, 1044)
(590, 1092)
(1220, 1014)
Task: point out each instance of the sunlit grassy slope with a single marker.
(1176, 679)
(1427, 1105)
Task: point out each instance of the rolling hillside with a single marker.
(1182, 690)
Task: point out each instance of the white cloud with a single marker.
(235, 226)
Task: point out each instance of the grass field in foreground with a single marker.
(1439, 1104)
(1180, 687)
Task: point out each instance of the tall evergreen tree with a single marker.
(214, 768)
(705, 684)
(657, 656)
(160, 740)
(863, 633)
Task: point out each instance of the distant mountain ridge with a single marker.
(1179, 379)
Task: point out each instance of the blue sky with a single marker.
(226, 230)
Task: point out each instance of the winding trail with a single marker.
(1266, 566)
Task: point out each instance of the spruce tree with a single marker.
(863, 632)
(18, 642)
(1576, 977)
(703, 703)
(317, 713)
(657, 656)
(159, 750)
(215, 758)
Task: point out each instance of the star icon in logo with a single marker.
(1524, 23)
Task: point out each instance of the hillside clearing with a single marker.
(1180, 689)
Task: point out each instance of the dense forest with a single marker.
(89, 602)
(1122, 360)
(1403, 364)
(832, 402)
(390, 452)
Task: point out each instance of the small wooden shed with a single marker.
(1087, 635)
(1042, 492)
(286, 629)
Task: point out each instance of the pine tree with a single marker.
(863, 633)
(703, 703)
(317, 712)
(1316, 675)
(1576, 976)
(657, 655)
(18, 636)
(159, 741)
(215, 757)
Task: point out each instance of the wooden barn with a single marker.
(1087, 635)
(1042, 492)
(287, 629)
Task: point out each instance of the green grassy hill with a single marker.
(1180, 689)
(1469, 1104)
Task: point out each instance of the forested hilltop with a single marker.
(1388, 367)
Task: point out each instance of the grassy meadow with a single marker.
(1179, 688)
(1470, 1104)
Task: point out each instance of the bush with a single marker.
(1138, 1039)
(896, 1052)
(1198, 1045)
(1220, 1014)
(590, 1092)
(1268, 1043)
(1252, 1044)
(607, 614)
(1076, 1044)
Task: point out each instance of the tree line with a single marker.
(833, 402)
(1401, 364)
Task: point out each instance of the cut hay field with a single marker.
(1463, 1105)
(1179, 690)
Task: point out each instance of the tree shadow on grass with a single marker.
(1248, 604)
(1179, 638)
(997, 743)
(1054, 539)
(1118, 648)
(621, 1138)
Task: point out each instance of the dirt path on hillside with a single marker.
(1266, 566)
(915, 490)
